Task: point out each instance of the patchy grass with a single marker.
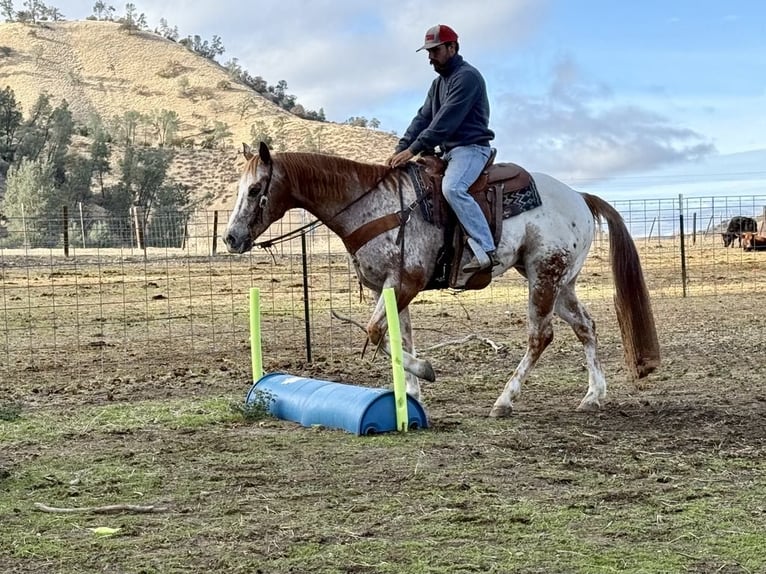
(548, 491)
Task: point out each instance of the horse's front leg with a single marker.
(408, 346)
(377, 331)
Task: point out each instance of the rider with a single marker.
(455, 116)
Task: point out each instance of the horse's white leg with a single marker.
(408, 346)
(377, 329)
(540, 334)
(569, 308)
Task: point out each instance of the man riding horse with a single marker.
(455, 117)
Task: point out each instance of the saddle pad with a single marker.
(514, 202)
(520, 201)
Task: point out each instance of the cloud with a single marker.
(345, 58)
(358, 59)
(575, 131)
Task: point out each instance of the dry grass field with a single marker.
(124, 382)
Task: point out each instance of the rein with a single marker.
(289, 235)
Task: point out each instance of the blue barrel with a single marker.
(359, 410)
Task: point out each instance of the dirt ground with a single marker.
(668, 477)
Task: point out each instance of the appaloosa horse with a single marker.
(548, 245)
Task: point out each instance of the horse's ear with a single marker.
(264, 153)
(247, 151)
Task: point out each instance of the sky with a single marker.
(636, 99)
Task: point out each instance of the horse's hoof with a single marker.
(589, 406)
(501, 412)
(428, 373)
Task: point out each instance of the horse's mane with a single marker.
(326, 176)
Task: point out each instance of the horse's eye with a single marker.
(254, 189)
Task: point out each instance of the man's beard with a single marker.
(438, 68)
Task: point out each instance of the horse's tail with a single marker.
(631, 299)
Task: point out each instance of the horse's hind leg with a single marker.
(569, 308)
(540, 335)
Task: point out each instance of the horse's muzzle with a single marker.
(238, 244)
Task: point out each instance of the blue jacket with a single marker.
(455, 113)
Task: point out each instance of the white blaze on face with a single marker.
(239, 216)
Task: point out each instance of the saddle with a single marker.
(490, 189)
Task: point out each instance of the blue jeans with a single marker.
(464, 165)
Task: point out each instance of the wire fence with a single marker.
(164, 293)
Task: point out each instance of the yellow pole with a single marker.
(397, 366)
(255, 333)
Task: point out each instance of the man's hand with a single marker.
(400, 158)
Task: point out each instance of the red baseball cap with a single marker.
(437, 35)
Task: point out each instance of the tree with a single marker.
(99, 155)
(30, 194)
(99, 9)
(259, 132)
(217, 136)
(257, 83)
(279, 90)
(165, 124)
(233, 68)
(125, 127)
(76, 187)
(132, 20)
(10, 121)
(313, 141)
(6, 9)
(173, 206)
(34, 133)
(52, 13)
(35, 9)
(59, 140)
(166, 32)
(199, 46)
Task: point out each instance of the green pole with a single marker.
(255, 333)
(395, 341)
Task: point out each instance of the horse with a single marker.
(548, 245)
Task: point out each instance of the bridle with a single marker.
(262, 200)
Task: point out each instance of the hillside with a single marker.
(97, 67)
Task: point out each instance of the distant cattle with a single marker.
(753, 242)
(736, 227)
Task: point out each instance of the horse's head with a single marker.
(260, 200)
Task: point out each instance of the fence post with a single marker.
(683, 245)
(651, 229)
(694, 229)
(24, 226)
(65, 217)
(82, 224)
(215, 232)
(709, 225)
(139, 227)
(306, 310)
